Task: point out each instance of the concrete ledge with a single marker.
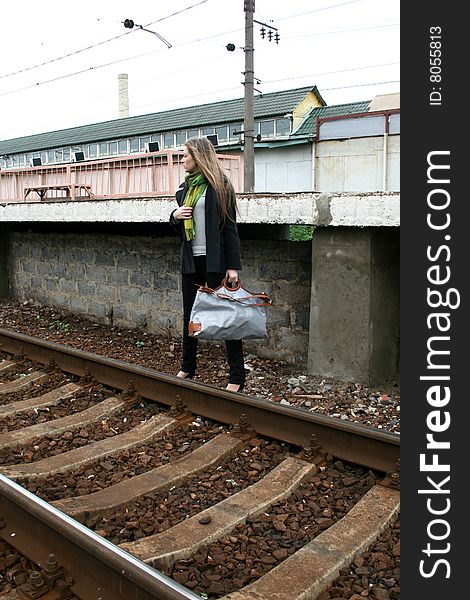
(353, 209)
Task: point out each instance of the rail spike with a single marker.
(131, 395)
(35, 587)
(242, 428)
(20, 355)
(392, 480)
(51, 365)
(178, 407)
(87, 380)
(51, 567)
(312, 450)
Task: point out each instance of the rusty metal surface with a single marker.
(139, 175)
(353, 442)
(103, 570)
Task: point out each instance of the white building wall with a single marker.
(356, 165)
(283, 169)
(350, 165)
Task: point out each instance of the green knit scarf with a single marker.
(196, 183)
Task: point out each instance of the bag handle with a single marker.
(262, 297)
(225, 284)
(265, 300)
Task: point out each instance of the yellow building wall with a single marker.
(303, 108)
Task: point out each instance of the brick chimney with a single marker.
(123, 80)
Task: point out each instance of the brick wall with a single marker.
(134, 281)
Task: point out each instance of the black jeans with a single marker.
(234, 347)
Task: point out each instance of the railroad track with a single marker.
(135, 484)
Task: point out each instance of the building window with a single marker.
(168, 140)
(92, 150)
(156, 137)
(235, 135)
(266, 129)
(181, 138)
(122, 147)
(103, 149)
(143, 141)
(193, 133)
(222, 132)
(113, 148)
(134, 144)
(282, 127)
(208, 131)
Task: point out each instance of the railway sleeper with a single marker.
(7, 365)
(22, 382)
(69, 390)
(61, 463)
(182, 540)
(156, 480)
(95, 413)
(310, 570)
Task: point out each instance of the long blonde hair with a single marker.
(205, 157)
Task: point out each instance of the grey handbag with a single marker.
(228, 313)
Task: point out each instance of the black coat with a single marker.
(222, 241)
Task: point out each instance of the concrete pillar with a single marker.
(354, 304)
(4, 246)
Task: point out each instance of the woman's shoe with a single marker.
(184, 375)
(235, 387)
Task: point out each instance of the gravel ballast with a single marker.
(374, 573)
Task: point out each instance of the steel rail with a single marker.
(97, 568)
(357, 443)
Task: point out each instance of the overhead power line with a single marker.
(334, 72)
(75, 52)
(94, 68)
(357, 85)
(342, 31)
(48, 62)
(308, 12)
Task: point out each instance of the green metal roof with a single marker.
(308, 127)
(227, 111)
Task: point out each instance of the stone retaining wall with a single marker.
(134, 281)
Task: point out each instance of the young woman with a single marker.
(206, 220)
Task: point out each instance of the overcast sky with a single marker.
(59, 63)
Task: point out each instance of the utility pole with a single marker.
(249, 121)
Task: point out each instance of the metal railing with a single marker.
(142, 175)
